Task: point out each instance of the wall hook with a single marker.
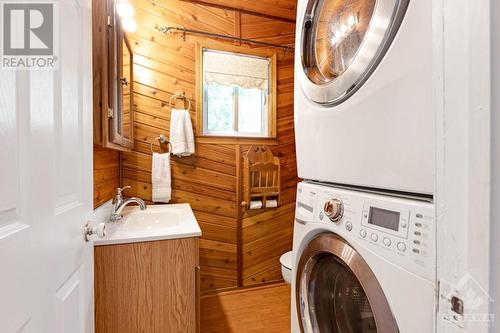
(184, 35)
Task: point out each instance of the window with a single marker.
(237, 94)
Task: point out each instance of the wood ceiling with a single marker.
(277, 9)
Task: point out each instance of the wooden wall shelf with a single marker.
(261, 177)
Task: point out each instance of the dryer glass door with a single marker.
(342, 43)
(337, 292)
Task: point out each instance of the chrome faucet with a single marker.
(119, 203)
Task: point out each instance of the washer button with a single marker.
(348, 226)
(362, 233)
(401, 246)
(374, 237)
(387, 241)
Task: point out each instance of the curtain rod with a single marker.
(166, 30)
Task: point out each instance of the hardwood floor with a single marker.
(254, 310)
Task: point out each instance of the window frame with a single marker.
(268, 135)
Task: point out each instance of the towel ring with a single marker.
(182, 96)
(163, 139)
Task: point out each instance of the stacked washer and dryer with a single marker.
(364, 238)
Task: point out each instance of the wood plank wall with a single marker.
(106, 174)
(237, 248)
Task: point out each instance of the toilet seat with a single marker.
(286, 266)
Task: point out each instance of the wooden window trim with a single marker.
(272, 114)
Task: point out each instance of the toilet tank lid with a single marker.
(286, 259)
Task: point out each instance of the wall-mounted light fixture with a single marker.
(126, 13)
(129, 24)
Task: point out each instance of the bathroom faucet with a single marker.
(119, 203)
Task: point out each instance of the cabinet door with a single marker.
(147, 287)
(121, 122)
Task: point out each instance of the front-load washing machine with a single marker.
(363, 263)
(363, 93)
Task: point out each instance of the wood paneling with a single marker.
(106, 174)
(262, 309)
(267, 234)
(209, 181)
(281, 10)
(146, 287)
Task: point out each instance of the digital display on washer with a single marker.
(384, 218)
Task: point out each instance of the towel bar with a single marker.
(163, 139)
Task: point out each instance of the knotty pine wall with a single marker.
(106, 174)
(237, 248)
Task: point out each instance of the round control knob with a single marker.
(374, 237)
(401, 246)
(334, 209)
(387, 241)
(362, 233)
(348, 226)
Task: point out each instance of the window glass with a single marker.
(250, 111)
(220, 108)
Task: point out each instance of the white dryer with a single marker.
(363, 93)
(363, 263)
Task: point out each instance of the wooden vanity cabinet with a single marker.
(147, 287)
(113, 79)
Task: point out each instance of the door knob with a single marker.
(99, 230)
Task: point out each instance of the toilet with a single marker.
(286, 266)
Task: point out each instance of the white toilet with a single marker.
(286, 266)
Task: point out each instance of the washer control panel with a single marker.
(399, 229)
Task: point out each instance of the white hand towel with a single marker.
(160, 177)
(181, 133)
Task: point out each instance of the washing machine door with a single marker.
(337, 292)
(342, 43)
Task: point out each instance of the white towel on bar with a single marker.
(161, 178)
(181, 133)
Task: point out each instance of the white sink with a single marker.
(147, 220)
(157, 222)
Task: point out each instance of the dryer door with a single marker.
(342, 43)
(337, 292)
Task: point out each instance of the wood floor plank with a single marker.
(262, 309)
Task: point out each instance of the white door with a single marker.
(46, 272)
(462, 69)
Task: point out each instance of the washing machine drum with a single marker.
(342, 42)
(337, 292)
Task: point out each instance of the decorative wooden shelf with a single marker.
(261, 176)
